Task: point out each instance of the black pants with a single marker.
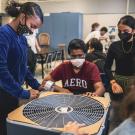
(7, 104)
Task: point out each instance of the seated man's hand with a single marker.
(73, 127)
(90, 94)
(34, 94)
(116, 88)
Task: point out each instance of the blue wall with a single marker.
(63, 27)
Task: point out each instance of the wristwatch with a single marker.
(49, 86)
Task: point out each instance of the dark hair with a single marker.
(94, 25)
(104, 29)
(76, 44)
(13, 9)
(96, 44)
(127, 20)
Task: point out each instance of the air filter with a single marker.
(54, 110)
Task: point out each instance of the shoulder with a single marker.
(64, 64)
(115, 46)
(116, 43)
(4, 29)
(6, 32)
(125, 128)
(89, 65)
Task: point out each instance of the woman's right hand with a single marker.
(116, 88)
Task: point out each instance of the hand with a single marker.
(90, 94)
(34, 94)
(41, 88)
(66, 91)
(73, 127)
(43, 82)
(116, 88)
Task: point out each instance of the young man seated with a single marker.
(77, 75)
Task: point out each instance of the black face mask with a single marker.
(23, 29)
(125, 36)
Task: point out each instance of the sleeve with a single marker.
(56, 74)
(95, 74)
(109, 62)
(32, 82)
(7, 82)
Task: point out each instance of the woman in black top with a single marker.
(123, 52)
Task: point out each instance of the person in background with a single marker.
(127, 127)
(123, 52)
(77, 75)
(33, 49)
(95, 50)
(33, 42)
(95, 33)
(95, 54)
(104, 39)
(13, 58)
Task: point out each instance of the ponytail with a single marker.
(13, 8)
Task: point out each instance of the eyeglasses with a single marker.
(79, 56)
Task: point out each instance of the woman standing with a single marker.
(123, 52)
(13, 58)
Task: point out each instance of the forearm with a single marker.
(100, 91)
(60, 89)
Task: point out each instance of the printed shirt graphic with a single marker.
(80, 82)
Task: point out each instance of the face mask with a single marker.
(125, 36)
(23, 29)
(77, 62)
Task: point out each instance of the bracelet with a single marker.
(49, 86)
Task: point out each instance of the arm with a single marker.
(56, 87)
(7, 81)
(37, 45)
(97, 83)
(108, 63)
(99, 89)
(116, 88)
(32, 82)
